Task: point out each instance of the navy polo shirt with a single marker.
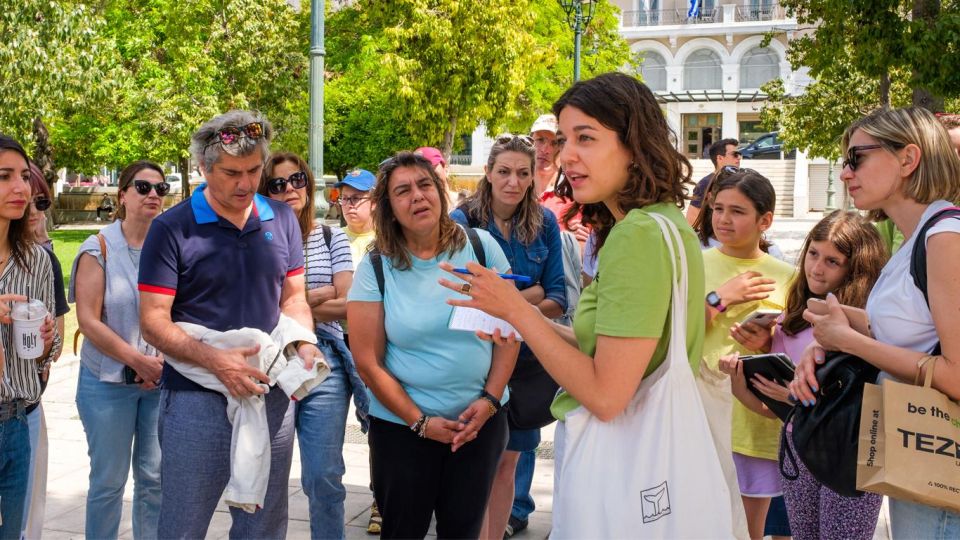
(221, 277)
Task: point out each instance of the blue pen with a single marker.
(515, 277)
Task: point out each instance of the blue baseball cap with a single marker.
(360, 179)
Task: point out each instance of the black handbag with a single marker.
(776, 367)
(826, 434)
(531, 393)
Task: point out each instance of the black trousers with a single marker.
(414, 478)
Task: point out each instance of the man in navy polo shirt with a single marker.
(226, 258)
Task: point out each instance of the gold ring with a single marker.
(465, 288)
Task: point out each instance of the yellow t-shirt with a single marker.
(753, 435)
(358, 244)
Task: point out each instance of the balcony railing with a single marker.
(662, 17)
(770, 12)
(666, 17)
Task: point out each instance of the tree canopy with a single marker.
(865, 54)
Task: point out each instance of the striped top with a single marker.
(322, 263)
(20, 380)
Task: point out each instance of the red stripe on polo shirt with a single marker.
(295, 272)
(154, 289)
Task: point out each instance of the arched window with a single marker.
(758, 67)
(654, 71)
(702, 71)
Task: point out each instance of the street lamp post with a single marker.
(317, 54)
(830, 189)
(579, 14)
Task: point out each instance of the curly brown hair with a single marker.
(390, 240)
(658, 173)
(529, 214)
(860, 243)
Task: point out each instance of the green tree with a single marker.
(422, 72)
(864, 54)
(603, 50)
(54, 56)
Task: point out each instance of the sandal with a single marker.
(375, 523)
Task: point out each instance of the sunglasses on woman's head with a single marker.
(143, 187)
(229, 137)
(278, 185)
(853, 157)
(42, 203)
(507, 138)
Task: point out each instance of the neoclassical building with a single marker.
(707, 66)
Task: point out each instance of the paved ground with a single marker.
(69, 464)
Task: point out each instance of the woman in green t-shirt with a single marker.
(620, 166)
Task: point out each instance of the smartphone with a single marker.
(764, 318)
(857, 317)
(130, 376)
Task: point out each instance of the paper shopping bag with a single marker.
(910, 444)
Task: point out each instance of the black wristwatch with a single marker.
(714, 300)
(490, 397)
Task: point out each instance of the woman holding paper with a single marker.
(900, 164)
(25, 271)
(627, 361)
(506, 206)
(436, 430)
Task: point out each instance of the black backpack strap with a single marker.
(477, 245)
(327, 235)
(918, 258)
(471, 221)
(377, 262)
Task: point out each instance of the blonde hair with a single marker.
(937, 175)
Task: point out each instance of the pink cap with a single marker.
(432, 154)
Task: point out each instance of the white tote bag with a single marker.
(652, 472)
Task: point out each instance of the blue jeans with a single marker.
(523, 504)
(195, 464)
(14, 469)
(912, 520)
(120, 421)
(321, 421)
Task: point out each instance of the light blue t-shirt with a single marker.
(442, 370)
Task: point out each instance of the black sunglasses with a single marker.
(853, 157)
(42, 203)
(143, 187)
(278, 185)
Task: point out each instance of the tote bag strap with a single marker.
(677, 348)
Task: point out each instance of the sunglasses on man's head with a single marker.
(229, 137)
(852, 159)
(143, 187)
(42, 203)
(278, 185)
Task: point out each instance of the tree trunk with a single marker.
(885, 90)
(448, 136)
(927, 10)
(43, 158)
(184, 166)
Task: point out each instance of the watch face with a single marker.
(713, 299)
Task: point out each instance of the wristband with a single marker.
(417, 426)
(491, 400)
